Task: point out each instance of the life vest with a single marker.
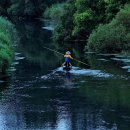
(67, 58)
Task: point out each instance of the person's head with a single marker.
(68, 52)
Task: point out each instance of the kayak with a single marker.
(67, 68)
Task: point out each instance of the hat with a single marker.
(68, 52)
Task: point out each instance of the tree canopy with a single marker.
(33, 8)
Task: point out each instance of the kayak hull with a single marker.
(67, 68)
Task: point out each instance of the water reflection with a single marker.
(42, 97)
(32, 41)
(4, 82)
(105, 63)
(68, 76)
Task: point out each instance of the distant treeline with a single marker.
(22, 8)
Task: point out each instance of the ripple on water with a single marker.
(12, 69)
(116, 59)
(16, 53)
(125, 67)
(19, 58)
(48, 28)
(103, 60)
(122, 60)
(1, 81)
(15, 63)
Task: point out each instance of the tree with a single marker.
(32, 8)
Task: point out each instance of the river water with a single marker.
(38, 95)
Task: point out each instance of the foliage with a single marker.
(112, 37)
(22, 8)
(107, 38)
(64, 28)
(6, 53)
(55, 11)
(123, 17)
(81, 19)
(4, 5)
(84, 16)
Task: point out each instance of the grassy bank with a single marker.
(6, 50)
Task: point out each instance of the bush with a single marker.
(112, 37)
(55, 11)
(107, 39)
(14, 9)
(123, 17)
(6, 52)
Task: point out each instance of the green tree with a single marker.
(84, 16)
(63, 30)
(33, 8)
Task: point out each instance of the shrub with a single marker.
(123, 17)
(107, 39)
(112, 37)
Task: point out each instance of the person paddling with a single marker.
(67, 59)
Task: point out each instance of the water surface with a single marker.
(39, 95)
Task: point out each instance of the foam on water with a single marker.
(125, 67)
(1, 81)
(87, 72)
(79, 72)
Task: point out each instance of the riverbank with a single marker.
(6, 41)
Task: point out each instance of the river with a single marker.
(38, 95)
